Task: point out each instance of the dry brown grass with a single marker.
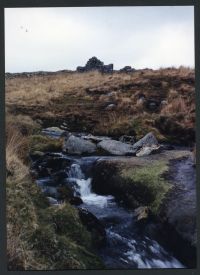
(82, 98)
(177, 105)
(39, 90)
(16, 149)
(17, 176)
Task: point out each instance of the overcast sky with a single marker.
(64, 38)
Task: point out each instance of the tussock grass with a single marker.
(178, 105)
(40, 237)
(16, 149)
(44, 144)
(82, 98)
(23, 123)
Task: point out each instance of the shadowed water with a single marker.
(127, 246)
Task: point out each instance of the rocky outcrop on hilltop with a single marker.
(95, 64)
(127, 69)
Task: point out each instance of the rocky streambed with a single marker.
(129, 222)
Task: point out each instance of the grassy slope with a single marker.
(40, 237)
(81, 101)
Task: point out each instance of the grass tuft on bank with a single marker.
(44, 144)
(40, 236)
(147, 184)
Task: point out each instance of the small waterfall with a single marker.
(83, 187)
(126, 248)
(134, 253)
(75, 172)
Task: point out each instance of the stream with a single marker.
(126, 247)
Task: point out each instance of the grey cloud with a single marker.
(63, 38)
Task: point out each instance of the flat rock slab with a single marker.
(95, 139)
(147, 160)
(118, 148)
(147, 150)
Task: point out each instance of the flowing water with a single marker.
(127, 246)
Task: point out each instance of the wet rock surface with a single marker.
(142, 213)
(180, 209)
(68, 178)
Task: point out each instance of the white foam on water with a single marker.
(135, 253)
(76, 172)
(89, 197)
(116, 236)
(97, 200)
(156, 262)
(173, 263)
(84, 188)
(136, 258)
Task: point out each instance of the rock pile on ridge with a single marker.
(95, 64)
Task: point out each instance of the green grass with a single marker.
(147, 184)
(67, 223)
(62, 242)
(40, 236)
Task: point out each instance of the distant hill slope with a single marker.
(134, 103)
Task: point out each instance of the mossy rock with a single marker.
(134, 185)
(147, 184)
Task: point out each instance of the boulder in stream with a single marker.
(50, 164)
(147, 141)
(141, 213)
(118, 148)
(78, 146)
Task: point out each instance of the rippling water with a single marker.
(126, 247)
